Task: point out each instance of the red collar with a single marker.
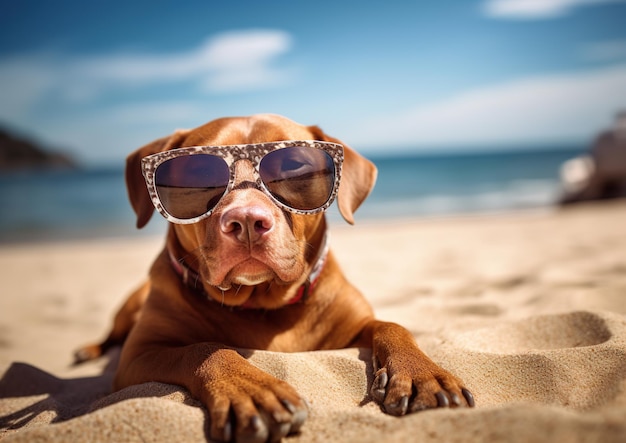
(192, 279)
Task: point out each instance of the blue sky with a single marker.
(99, 79)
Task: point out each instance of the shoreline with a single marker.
(334, 220)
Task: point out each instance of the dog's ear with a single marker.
(135, 184)
(357, 179)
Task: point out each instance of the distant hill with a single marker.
(18, 153)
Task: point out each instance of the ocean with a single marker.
(92, 202)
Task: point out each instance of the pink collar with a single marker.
(191, 278)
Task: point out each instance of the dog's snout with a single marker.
(247, 224)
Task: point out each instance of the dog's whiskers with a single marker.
(196, 259)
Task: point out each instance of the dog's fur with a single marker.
(251, 259)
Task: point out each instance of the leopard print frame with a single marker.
(232, 153)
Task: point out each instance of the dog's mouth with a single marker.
(253, 271)
(250, 272)
(250, 284)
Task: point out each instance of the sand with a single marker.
(528, 308)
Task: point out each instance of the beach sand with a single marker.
(529, 309)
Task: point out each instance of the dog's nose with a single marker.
(247, 224)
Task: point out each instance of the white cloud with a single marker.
(225, 63)
(548, 109)
(536, 9)
(233, 53)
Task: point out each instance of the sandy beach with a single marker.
(528, 308)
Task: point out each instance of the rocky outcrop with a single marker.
(18, 153)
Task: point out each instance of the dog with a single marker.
(247, 265)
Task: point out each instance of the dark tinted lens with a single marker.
(191, 185)
(301, 178)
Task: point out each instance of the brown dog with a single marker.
(256, 274)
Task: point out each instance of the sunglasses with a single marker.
(186, 184)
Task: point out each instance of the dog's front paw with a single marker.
(414, 383)
(254, 407)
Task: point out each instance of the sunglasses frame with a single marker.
(231, 154)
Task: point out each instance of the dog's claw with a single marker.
(379, 386)
(256, 424)
(298, 419)
(81, 356)
(280, 423)
(442, 399)
(86, 353)
(228, 431)
(398, 408)
(288, 406)
(456, 401)
(468, 397)
(255, 432)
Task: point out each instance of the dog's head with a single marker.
(249, 250)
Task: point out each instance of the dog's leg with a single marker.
(123, 322)
(244, 402)
(405, 379)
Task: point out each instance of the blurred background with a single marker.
(465, 106)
